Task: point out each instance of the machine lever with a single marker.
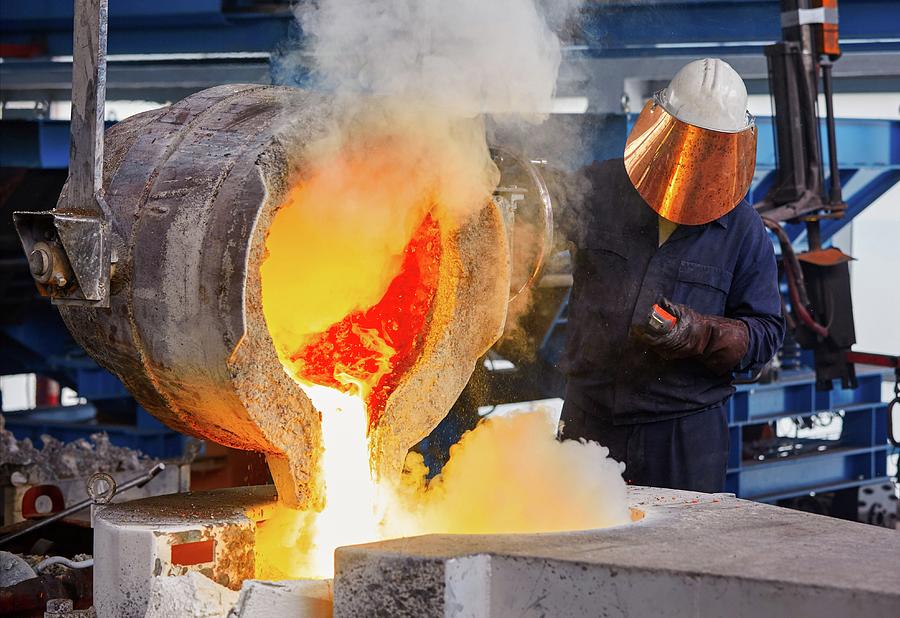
(88, 107)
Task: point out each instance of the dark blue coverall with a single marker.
(665, 419)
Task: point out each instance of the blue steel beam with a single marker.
(35, 144)
(763, 180)
(42, 344)
(141, 27)
(653, 28)
(650, 28)
(47, 14)
(869, 152)
(861, 143)
(869, 159)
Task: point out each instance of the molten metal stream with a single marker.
(348, 288)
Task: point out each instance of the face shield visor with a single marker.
(689, 174)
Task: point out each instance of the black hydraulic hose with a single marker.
(834, 194)
(794, 275)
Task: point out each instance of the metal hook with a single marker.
(101, 487)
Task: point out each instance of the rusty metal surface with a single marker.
(687, 174)
(141, 148)
(824, 257)
(69, 255)
(185, 186)
(468, 317)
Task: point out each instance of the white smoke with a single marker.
(465, 57)
(453, 74)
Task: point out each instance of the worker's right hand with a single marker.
(718, 342)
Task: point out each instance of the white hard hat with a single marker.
(708, 94)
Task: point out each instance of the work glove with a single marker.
(718, 342)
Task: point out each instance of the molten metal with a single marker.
(376, 346)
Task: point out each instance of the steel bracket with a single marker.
(70, 256)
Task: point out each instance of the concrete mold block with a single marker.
(690, 555)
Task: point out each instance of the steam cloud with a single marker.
(421, 75)
(508, 475)
(465, 58)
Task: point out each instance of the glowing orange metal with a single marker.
(375, 346)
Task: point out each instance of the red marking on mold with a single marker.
(29, 501)
(200, 552)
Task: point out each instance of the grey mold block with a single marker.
(691, 555)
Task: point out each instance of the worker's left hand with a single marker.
(718, 342)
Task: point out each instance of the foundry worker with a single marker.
(668, 226)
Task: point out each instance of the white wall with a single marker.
(875, 276)
(846, 105)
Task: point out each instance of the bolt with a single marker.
(59, 280)
(39, 262)
(43, 504)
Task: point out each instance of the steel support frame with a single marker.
(858, 458)
(615, 27)
(869, 161)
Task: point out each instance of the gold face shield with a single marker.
(688, 174)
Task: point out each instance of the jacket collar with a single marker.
(725, 219)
